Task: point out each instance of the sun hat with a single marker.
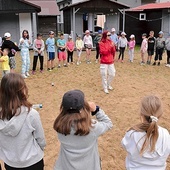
(51, 32)
(132, 36)
(123, 33)
(160, 32)
(87, 31)
(79, 36)
(113, 30)
(73, 101)
(7, 35)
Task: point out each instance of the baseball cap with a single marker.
(87, 31)
(7, 35)
(99, 31)
(51, 32)
(160, 32)
(123, 33)
(73, 101)
(113, 30)
(144, 34)
(132, 36)
(70, 37)
(79, 36)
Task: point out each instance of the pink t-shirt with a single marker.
(38, 43)
(131, 44)
(70, 45)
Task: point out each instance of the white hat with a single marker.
(70, 37)
(132, 36)
(113, 30)
(123, 33)
(87, 31)
(7, 35)
(160, 32)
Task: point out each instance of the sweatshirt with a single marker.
(107, 52)
(160, 42)
(167, 44)
(38, 44)
(122, 42)
(81, 152)
(22, 139)
(132, 143)
(144, 46)
(131, 44)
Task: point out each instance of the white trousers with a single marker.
(107, 72)
(131, 54)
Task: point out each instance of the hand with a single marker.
(29, 42)
(92, 106)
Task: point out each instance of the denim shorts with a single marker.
(51, 56)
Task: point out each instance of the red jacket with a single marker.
(107, 52)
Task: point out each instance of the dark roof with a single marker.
(115, 5)
(48, 7)
(152, 6)
(18, 6)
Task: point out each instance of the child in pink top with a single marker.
(131, 44)
(70, 49)
(144, 47)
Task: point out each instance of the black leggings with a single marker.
(38, 166)
(158, 55)
(97, 51)
(69, 56)
(168, 57)
(41, 58)
(122, 50)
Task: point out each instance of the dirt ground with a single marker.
(132, 82)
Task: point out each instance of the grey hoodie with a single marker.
(81, 152)
(22, 139)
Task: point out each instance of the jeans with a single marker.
(25, 61)
(107, 72)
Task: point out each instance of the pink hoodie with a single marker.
(131, 44)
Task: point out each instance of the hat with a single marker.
(87, 31)
(123, 33)
(113, 30)
(73, 101)
(144, 34)
(160, 32)
(51, 32)
(132, 36)
(79, 36)
(7, 35)
(70, 37)
(99, 31)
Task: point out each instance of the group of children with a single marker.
(78, 126)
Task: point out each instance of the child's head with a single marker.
(7, 36)
(13, 95)
(87, 32)
(69, 38)
(5, 51)
(39, 36)
(79, 37)
(123, 34)
(74, 113)
(61, 36)
(161, 34)
(144, 35)
(25, 34)
(51, 34)
(151, 33)
(132, 37)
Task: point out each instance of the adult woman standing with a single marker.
(107, 53)
(88, 44)
(21, 133)
(24, 45)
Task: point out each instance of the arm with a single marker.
(34, 46)
(43, 46)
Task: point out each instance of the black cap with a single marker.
(73, 101)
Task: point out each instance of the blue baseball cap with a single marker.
(99, 31)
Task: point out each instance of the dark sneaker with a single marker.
(159, 63)
(49, 69)
(154, 64)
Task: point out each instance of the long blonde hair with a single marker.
(150, 106)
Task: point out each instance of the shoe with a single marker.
(27, 74)
(24, 76)
(33, 72)
(52, 68)
(65, 65)
(59, 66)
(96, 61)
(106, 91)
(78, 63)
(167, 65)
(49, 69)
(119, 60)
(110, 88)
(159, 63)
(142, 63)
(122, 61)
(154, 64)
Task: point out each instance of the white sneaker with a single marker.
(106, 91)
(27, 74)
(110, 88)
(24, 76)
(167, 65)
(78, 63)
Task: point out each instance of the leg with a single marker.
(156, 57)
(111, 75)
(64, 58)
(28, 62)
(123, 51)
(71, 56)
(97, 51)
(12, 64)
(49, 61)
(41, 58)
(168, 57)
(120, 53)
(68, 56)
(24, 62)
(34, 63)
(103, 72)
(160, 55)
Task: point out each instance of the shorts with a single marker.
(88, 46)
(62, 55)
(150, 52)
(12, 62)
(51, 56)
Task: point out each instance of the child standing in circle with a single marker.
(167, 47)
(88, 44)
(131, 44)
(143, 48)
(5, 62)
(21, 132)
(78, 133)
(24, 45)
(122, 44)
(79, 47)
(146, 143)
(38, 47)
(50, 47)
(70, 49)
(160, 46)
(61, 44)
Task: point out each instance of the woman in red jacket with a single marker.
(107, 69)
